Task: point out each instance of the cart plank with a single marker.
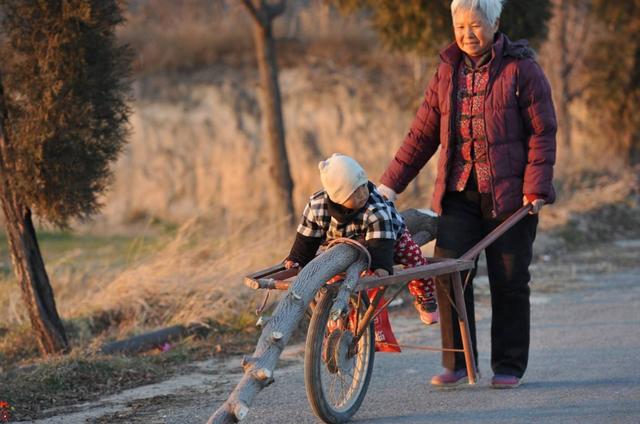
(278, 278)
(419, 272)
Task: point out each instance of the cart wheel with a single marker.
(335, 374)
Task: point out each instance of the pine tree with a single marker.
(63, 115)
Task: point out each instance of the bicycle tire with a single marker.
(316, 362)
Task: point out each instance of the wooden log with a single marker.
(144, 341)
(340, 305)
(258, 369)
(422, 224)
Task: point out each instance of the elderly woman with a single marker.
(489, 107)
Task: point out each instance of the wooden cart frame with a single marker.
(280, 278)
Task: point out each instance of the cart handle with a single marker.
(497, 232)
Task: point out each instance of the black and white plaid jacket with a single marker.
(378, 224)
(378, 219)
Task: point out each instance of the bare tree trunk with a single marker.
(565, 77)
(259, 367)
(30, 271)
(28, 265)
(571, 28)
(272, 102)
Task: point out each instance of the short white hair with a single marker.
(489, 9)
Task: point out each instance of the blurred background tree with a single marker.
(263, 13)
(570, 37)
(613, 79)
(425, 26)
(63, 115)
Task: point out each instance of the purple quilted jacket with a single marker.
(520, 125)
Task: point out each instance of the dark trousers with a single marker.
(466, 219)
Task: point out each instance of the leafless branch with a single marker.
(255, 13)
(582, 40)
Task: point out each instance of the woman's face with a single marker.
(473, 34)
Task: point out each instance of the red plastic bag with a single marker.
(385, 339)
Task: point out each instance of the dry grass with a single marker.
(193, 275)
(196, 277)
(167, 35)
(595, 207)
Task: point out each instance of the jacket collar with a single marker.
(483, 61)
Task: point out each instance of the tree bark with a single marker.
(258, 369)
(565, 122)
(28, 264)
(572, 26)
(271, 100)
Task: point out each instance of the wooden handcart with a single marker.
(340, 347)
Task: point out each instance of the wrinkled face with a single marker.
(358, 198)
(473, 34)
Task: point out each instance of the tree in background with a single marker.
(570, 36)
(425, 26)
(63, 115)
(613, 78)
(263, 13)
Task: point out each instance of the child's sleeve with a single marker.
(380, 239)
(309, 224)
(304, 249)
(381, 251)
(308, 238)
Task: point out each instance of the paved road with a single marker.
(585, 351)
(583, 369)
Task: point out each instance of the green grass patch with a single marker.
(65, 247)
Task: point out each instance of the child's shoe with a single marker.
(428, 310)
(424, 301)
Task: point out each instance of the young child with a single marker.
(351, 206)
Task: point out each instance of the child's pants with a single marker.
(407, 252)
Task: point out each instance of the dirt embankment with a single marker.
(196, 145)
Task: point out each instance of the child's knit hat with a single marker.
(341, 175)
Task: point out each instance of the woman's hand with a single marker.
(387, 192)
(381, 272)
(288, 264)
(535, 203)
